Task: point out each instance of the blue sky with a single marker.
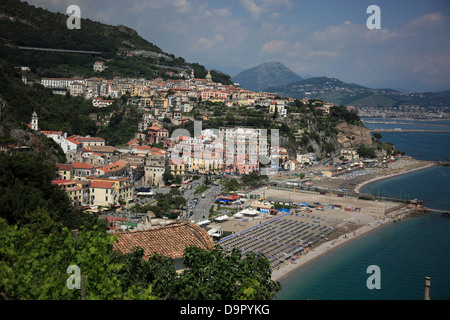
(330, 38)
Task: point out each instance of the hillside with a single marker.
(339, 92)
(266, 75)
(27, 26)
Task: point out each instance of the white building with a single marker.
(34, 121)
(99, 66)
(307, 157)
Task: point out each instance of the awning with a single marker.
(249, 212)
(204, 222)
(221, 218)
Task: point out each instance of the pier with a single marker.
(443, 213)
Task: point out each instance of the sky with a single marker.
(409, 52)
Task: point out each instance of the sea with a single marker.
(404, 252)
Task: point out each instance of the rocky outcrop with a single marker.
(352, 136)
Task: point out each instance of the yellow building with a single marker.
(73, 190)
(65, 171)
(107, 191)
(177, 168)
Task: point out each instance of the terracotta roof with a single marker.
(82, 165)
(102, 184)
(61, 181)
(170, 240)
(157, 128)
(63, 166)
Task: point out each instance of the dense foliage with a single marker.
(29, 199)
(38, 247)
(30, 26)
(55, 112)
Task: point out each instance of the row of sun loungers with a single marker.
(278, 239)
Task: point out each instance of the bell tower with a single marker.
(34, 121)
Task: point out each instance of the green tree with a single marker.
(28, 195)
(222, 275)
(36, 268)
(377, 135)
(366, 151)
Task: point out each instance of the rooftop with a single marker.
(170, 240)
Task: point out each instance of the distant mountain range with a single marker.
(339, 92)
(277, 78)
(265, 75)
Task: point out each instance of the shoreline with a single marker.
(328, 247)
(392, 175)
(323, 249)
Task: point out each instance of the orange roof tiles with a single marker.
(82, 165)
(102, 184)
(170, 240)
(63, 166)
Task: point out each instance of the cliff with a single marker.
(352, 136)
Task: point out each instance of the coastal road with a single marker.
(201, 211)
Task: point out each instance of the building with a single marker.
(154, 168)
(178, 168)
(64, 171)
(170, 241)
(81, 169)
(278, 107)
(57, 83)
(157, 134)
(292, 165)
(73, 190)
(101, 103)
(99, 66)
(102, 193)
(349, 154)
(77, 89)
(111, 190)
(88, 140)
(306, 158)
(34, 121)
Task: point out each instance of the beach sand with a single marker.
(348, 225)
(403, 166)
(324, 248)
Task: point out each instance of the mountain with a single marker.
(122, 49)
(336, 91)
(266, 75)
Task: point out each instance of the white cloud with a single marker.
(274, 46)
(204, 43)
(264, 6)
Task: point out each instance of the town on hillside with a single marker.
(112, 180)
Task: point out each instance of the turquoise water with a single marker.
(406, 251)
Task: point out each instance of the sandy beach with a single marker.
(357, 181)
(404, 166)
(421, 166)
(325, 248)
(348, 225)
